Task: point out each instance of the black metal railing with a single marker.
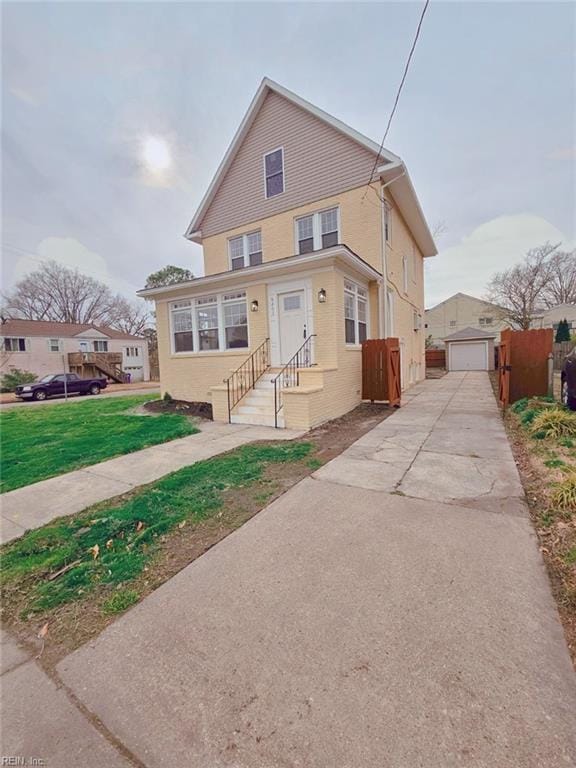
(244, 377)
(289, 376)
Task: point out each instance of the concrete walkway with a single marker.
(393, 611)
(37, 504)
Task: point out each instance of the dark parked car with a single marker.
(569, 380)
(59, 384)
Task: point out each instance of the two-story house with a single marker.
(43, 347)
(313, 241)
(462, 311)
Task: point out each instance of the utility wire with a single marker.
(399, 91)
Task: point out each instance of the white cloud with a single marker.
(565, 153)
(490, 248)
(73, 254)
(25, 96)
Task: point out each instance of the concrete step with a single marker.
(256, 419)
(264, 410)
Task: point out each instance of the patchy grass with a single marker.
(43, 441)
(78, 573)
(543, 438)
(64, 561)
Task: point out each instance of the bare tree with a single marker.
(519, 291)
(561, 287)
(54, 292)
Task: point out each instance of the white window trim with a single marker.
(390, 299)
(357, 344)
(220, 302)
(245, 253)
(264, 156)
(388, 222)
(316, 228)
(405, 277)
(59, 343)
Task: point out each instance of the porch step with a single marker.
(258, 419)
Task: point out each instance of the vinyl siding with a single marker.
(318, 162)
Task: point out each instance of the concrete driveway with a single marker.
(393, 611)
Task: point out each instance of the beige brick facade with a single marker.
(337, 166)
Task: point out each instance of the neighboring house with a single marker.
(549, 318)
(295, 239)
(45, 347)
(462, 311)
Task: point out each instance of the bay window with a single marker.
(207, 323)
(355, 313)
(245, 250)
(235, 320)
(182, 326)
(317, 230)
(210, 323)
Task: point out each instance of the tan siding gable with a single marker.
(319, 162)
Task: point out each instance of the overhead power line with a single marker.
(398, 92)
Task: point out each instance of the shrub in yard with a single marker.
(554, 422)
(520, 405)
(167, 397)
(528, 416)
(14, 378)
(564, 495)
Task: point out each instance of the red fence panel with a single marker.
(526, 361)
(381, 370)
(435, 358)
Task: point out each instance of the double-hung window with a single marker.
(245, 250)
(405, 273)
(100, 345)
(355, 313)
(182, 326)
(54, 345)
(235, 320)
(274, 172)
(210, 323)
(317, 230)
(14, 345)
(207, 323)
(387, 222)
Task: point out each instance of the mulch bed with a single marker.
(201, 410)
(73, 624)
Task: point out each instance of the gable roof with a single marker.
(391, 167)
(468, 334)
(465, 296)
(48, 328)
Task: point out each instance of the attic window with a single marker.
(274, 172)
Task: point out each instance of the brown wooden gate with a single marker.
(381, 370)
(523, 363)
(504, 373)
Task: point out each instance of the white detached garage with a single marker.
(470, 350)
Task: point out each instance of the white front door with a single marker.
(292, 317)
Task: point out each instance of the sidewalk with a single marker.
(37, 504)
(392, 611)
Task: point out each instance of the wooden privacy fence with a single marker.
(381, 370)
(523, 363)
(435, 358)
(560, 350)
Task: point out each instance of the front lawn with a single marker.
(43, 441)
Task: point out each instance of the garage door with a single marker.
(469, 356)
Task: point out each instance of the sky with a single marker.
(486, 122)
